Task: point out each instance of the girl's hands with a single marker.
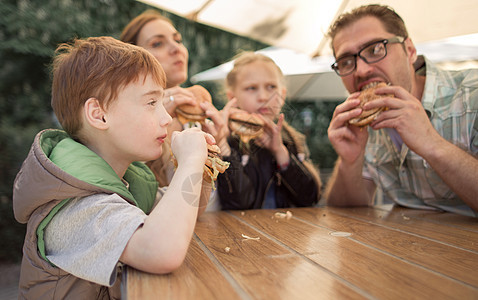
(217, 126)
(271, 139)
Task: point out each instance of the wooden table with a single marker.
(322, 253)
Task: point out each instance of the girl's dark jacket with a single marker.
(245, 187)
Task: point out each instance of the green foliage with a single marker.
(312, 119)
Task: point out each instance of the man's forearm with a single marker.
(347, 187)
(458, 169)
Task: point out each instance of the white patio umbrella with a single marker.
(301, 24)
(306, 78)
(313, 79)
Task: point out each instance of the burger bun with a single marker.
(194, 113)
(367, 116)
(247, 126)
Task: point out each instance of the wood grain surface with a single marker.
(381, 252)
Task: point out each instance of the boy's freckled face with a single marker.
(137, 122)
(259, 89)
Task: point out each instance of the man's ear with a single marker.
(411, 50)
(94, 114)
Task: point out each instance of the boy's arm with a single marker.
(160, 245)
(206, 190)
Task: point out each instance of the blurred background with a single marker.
(29, 33)
(31, 30)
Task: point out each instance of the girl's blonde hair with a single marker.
(245, 58)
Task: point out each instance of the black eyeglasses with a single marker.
(371, 53)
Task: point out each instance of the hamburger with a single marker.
(187, 113)
(247, 126)
(214, 164)
(367, 95)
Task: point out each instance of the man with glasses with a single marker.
(422, 151)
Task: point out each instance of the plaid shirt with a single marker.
(450, 99)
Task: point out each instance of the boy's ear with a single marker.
(94, 114)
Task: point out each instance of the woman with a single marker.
(157, 34)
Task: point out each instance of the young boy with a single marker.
(89, 204)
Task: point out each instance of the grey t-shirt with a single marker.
(88, 235)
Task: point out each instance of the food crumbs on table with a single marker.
(340, 233)
(280, 215)
(242, 213)
(288, 215)
(250, 238)
(227, 249)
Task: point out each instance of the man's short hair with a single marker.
(96, 67)
(391, 21)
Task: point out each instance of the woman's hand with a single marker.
(175, 96)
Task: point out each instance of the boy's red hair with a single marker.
(96, 67)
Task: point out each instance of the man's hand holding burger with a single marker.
(348, 141)
(346, 132)
(408, 117)
(398, 109)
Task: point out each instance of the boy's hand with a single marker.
(189, 145)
